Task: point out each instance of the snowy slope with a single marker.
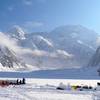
(37, 42)
(28, 93)
(9, 60)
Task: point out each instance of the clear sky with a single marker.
(44, 15)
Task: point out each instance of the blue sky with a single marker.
(45, 15)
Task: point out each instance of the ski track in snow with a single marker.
(13, 93)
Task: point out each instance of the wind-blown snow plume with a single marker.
(12, 44)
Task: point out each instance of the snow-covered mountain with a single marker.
(77, 40)
(37, 42)
(9, 59)
(68, 46)
(16, 32)
(95, 60)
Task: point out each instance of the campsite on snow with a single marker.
(49, 50)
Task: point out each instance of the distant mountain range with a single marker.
(70, 46)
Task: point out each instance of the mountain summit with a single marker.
(17, 32)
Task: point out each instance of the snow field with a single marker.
(45, 89)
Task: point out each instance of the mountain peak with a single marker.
(17, 32)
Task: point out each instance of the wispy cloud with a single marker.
(30, 25)
(33, 24)
(12, 44)
(10, 8)
(56, 54)
(42, 1)
(30, 2)
(27, 2)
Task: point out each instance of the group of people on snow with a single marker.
(12, 82)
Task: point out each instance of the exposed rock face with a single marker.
(95, 60)
(8, 58)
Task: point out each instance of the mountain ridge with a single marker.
(64, 47)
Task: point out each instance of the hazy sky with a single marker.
(44, 15)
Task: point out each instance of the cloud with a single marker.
(12, 44)
(10, 8)
(27, 2)
(31, 2)
(57, 54)
(30, 25)
(33, 24)
(42, 1)
(6, 41)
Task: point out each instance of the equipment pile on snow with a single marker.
(78, 87)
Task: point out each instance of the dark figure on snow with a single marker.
(17, 81)
(23, 81)
(98, 71)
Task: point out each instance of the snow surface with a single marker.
(45, 89)
(15, 93)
